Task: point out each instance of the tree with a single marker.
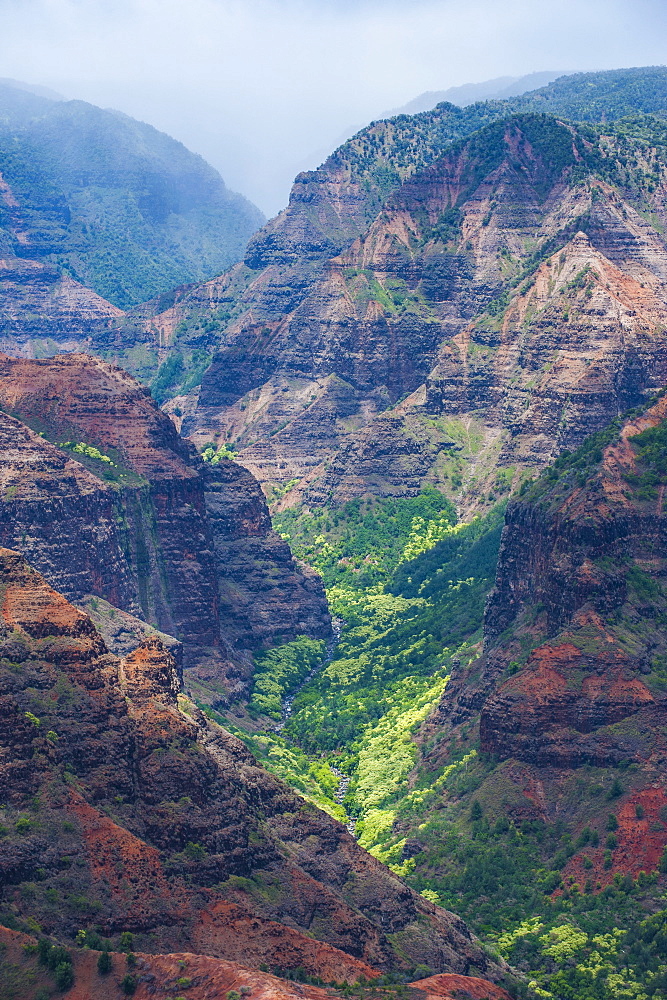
(104, 963)
(64, 975)
(128, 984)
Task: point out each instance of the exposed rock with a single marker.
(211, 977)
(123, 632)
(573, 667)
(494, 285)
(146, 818)
(148, 527)
(43, 311)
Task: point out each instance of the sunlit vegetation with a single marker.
(280, 670)
(214, 454)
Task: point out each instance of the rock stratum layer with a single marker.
(404, 265)
(513, 290)
(123, 812)
(207, 977)
(143, 523)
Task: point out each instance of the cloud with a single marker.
(256, 86)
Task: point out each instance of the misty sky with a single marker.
(264, 88)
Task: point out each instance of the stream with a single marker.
(341, 792)
(288, 702)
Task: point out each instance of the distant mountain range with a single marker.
(501, 88)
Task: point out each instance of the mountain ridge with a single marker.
(93, 188)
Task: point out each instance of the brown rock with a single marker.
(142, 817)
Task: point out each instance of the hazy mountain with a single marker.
(500, 88)
(113, 202)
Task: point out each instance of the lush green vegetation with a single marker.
(214, 454)
(150, 215)
(398, 637)
(360, 544)
(451, 829)
(383, 155)
(410, 587)
(279, 671)
(651, 451)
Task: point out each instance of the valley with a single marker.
(333, 586)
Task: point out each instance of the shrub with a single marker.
(64, 975)
(615, 790)
(128, 984)
(612, 822)
(104, 963)
(194, 852)
(43, 951)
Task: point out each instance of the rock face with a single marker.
(574, 651)
(588, 559)
(44, 312)
(208, 977)
(145, 525)
(517, 284)
(134, 815)
(569, 695)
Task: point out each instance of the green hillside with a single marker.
(385, 153)
(122, 207)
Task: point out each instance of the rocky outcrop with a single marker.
(516, 282)
(43, 311)
(124, 812)
(205, 976)
(572, 671)
(144, 524)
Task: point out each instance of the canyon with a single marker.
(124, 807)
(511, 293)
(136, 518)
(440, 372)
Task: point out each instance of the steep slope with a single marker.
(110, 201)
(573, 629)
(20, 972)
(330, 207)
(125, 813)
(517, 286)
(593, 582)
(143, 523)
(530, 795)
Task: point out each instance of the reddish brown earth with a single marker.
(641, 841)
(208, 977)
(185, 546)
(570, 693)
(122, 811)
(447, 985)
